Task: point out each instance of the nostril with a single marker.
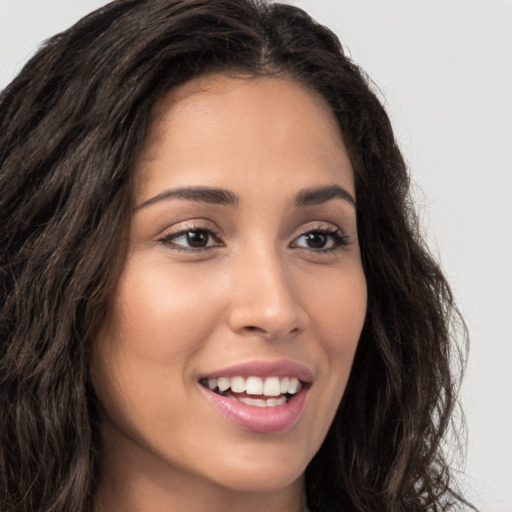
(253, 328)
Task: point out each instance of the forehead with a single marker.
(231, 125)
(220, 88)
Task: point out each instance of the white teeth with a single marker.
(237, 385)
(293, 386)
(271, 386)
(258, 402)
(254, 386)
(223, 383)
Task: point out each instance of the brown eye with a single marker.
(197, 238)
(321, 240)
(316, 240)
(191, 240)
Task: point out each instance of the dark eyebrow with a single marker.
(201, 194)
(319, 195)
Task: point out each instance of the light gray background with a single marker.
(443, 68)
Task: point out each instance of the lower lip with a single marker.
(264, 420)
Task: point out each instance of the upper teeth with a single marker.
(271, 386)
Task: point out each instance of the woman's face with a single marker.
(243, 270)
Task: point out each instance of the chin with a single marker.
(260, 475)
(261, 481)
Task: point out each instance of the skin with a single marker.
(258, 291)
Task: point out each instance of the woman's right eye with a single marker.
(191, 240)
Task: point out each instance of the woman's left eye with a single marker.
(321, 240)
(191, 240)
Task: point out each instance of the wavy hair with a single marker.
(71, 124)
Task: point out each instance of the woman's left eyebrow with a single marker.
(319, 195)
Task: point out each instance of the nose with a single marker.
(265, 298)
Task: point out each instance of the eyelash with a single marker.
(339, 239)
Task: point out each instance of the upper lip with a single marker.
(283, 368)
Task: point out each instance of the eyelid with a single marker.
(317, 226)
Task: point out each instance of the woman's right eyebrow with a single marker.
(210, 195)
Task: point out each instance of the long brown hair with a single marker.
(71, 125)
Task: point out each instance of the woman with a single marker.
(214, 293)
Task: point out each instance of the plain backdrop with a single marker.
(444, 71)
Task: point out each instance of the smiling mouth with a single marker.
(255, 391)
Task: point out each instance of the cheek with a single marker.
(162, 314)
(337, 316)
(338, 309)
(141, 359)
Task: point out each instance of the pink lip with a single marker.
(264, 420)
(264, 369)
